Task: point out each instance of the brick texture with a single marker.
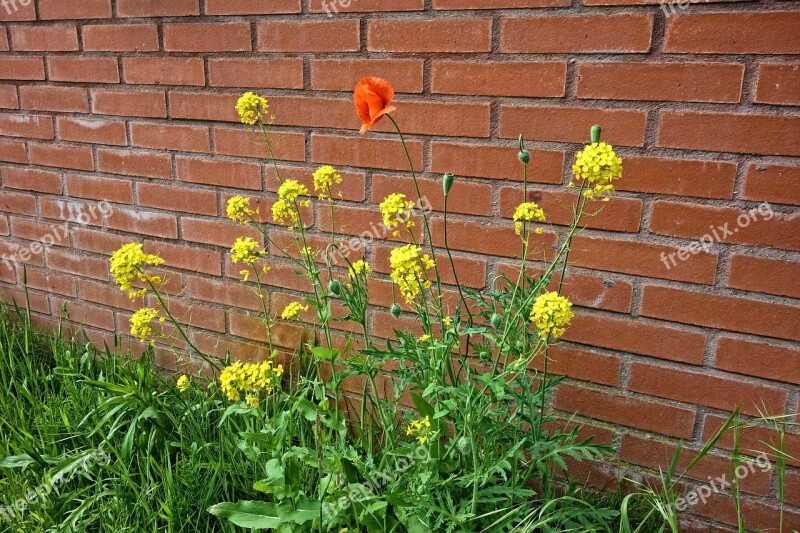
(685, 285)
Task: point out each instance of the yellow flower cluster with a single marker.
(324, 178)
(251, 108)
(527, 212)
(292, 311)
(421, 430)
(141, 323)
(408, 270)
(599, 165)
(246, 250)
(284, 211)
(184, 383)
(127, 266)
(238, 209)
(551, 313)
(249, 379)
(396, 210)
(358, 268)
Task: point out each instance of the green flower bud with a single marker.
(496, 321)
(595, 133)
(447, 183)
(524, 156)
(395, 310)
(335, 287)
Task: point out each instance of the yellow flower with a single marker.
(127, 266)
(527, 212)
(307, 252)
(421, 429)
(249, 379)
(291, 189)
(396, 210)
(284, 211)
(140, 323)
(424, 338)
(447, 321)
(246, 250)
(292, 311)
(324, 178)
(251, 400)
(408, 270)
(251, 108)
(358, 268)
(599, 165)
(238, 209)
(184, 383)
(551, 313)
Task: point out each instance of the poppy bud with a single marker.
(595, 133)
(524, 156)
(395, 310)
(496, 321)
(447, 183)
(335, 287)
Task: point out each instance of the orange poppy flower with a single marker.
(372, 97)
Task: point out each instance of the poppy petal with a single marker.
(382, 88)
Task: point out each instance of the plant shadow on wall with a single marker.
(450, 430)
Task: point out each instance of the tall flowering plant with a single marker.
(457, 400)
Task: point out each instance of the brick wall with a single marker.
(117, 124)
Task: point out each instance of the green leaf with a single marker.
(325, 354)
(257, 515)
(307, 409)
(424, 408)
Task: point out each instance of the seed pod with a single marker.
(335, 287)
(496, 321)
(395, 310)
(447, 183)
(595, 133)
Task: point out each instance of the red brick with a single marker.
(80, 265)
(61, 156)
(203, 106)
(83, 213)
(31, 179)
(18, 253)
(12, 202)
(352, 187)
(620, 214)
(84, 69)
(754, 439)
(92, 131)
(572, 124)
(59, 38)
(773, 183)
(64, 99)
(34, 126)
(98, 241)
(778, 84)
(717, 391)
(252, 7)
(334, 8)
(195, 316)
(675, 82)
(163, 136)
(83, 314)
(74, 9)
(219, 172)
(250, 143)
(778, 363)
(628, 411)
(543, 79)
(8, 97)
(489, 238)
(754, 226)
(219, 232)
(761, 274)
(722, 312)
(18, 11)
(430, 35)
(760, 134)
(225, 293)
(47, 234)
(176, 198)
(495, 162)
(49, 282)
(106, 294)
(120, 38)
(733, 33)
(129, 163)
(497, 4)
(642, 259)
(466, 197)
(129, 103)
(144, 222)
(364, 152)
(471, 270)
(207, 37)
(279, 73)
(682, 177)
(38, 302)
(583, 365)
(344, 74)
(164, 70)
(309, 36)
(97, 188)
(3, 38)
(582, 34)
(13, 152)
(157, 8)
(21, 67)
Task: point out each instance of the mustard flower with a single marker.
(421, 430)
(238, 209)
(324, 178)
(141, 323)
(252, 108)
(246, 250)
(291, 189)
(252, 400)
(396, 210)
(358, 268)
(408, 270)
(184, 383)
(127, 266)
(284, 210)
(249, 379)
(600, 166)
(292, 311)
(551, 313)
(527, 212)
